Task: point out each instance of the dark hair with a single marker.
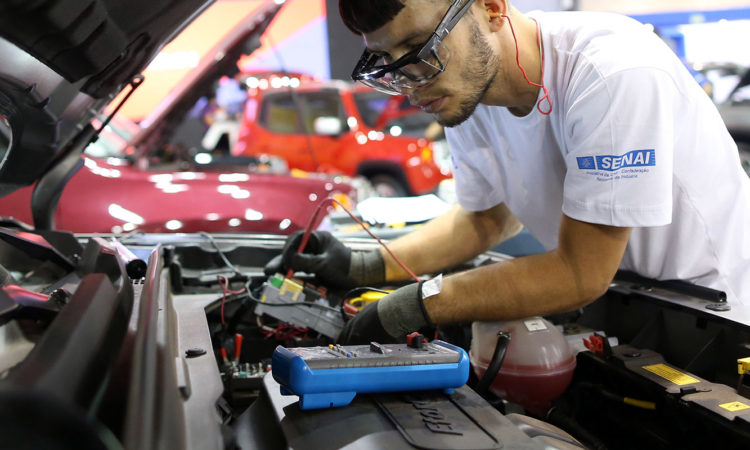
(364, 16)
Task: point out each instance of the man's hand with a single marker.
(389, 319)
(333, 263)
(365, 327)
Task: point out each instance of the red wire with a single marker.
(285, 332)
(308, 231)
(224, 283)
(518, 61)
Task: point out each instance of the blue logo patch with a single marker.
(586, 162)
(611, 163)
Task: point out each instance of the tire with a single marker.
(744, 149)
(387, 186)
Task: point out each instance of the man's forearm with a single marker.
(522, 287)
(450, 239)
(569, 277)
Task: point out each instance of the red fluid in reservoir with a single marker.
(533, 387)
(538, 364)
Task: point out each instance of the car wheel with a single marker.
(387, 186)
(744, 149)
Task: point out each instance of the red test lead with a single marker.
(309, 229)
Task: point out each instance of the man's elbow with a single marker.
(590, 295)
(587, 284)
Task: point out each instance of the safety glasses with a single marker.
(415, 68)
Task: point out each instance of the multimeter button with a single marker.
(415, 340)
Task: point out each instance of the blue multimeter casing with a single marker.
(336, 378)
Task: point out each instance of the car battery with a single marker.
(644, 402)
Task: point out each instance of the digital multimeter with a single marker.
(325, 377)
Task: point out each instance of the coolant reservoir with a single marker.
(538, 363)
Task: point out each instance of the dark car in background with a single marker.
(731, 93)
(735, 111)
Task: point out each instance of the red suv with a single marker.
(341, 127)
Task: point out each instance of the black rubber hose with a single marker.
(503, 340)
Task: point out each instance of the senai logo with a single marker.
(636, 158)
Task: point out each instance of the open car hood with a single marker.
(63, 62)
(220, 60)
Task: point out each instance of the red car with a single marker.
(344, 128)
(148, 179)
(111, 194)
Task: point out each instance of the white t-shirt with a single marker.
(632, 141)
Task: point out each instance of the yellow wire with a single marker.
(639, 403)
(367, 297)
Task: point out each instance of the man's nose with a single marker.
(413, 90)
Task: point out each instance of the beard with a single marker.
(478, 74)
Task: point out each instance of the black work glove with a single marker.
(389, 319)
(333, 263)
(365, 327)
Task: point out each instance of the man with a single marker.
(584, 127)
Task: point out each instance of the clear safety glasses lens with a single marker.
(396, 77)
(415, 68)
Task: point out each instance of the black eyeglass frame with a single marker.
(363, 71)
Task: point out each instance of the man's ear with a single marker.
(494, 12)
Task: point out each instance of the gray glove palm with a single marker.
(389, 319)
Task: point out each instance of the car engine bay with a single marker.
(163, 341)
(166, 341)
